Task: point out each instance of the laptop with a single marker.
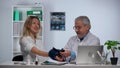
(89, 54)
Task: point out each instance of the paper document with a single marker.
(53, 62)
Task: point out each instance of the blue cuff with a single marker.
(72, 55)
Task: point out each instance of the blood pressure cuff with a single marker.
(55, 52)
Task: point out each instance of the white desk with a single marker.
(12, 65)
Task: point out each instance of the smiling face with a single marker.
(31, 26)
(35, 26)
(81, 29)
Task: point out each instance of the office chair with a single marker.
(18, 58)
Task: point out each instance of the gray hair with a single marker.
(84, 19)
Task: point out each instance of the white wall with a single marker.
(5, 30)
(104, 16)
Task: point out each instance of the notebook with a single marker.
(89, 54)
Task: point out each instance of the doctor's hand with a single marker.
(66, 53)
(60, 58)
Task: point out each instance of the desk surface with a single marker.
(12, 65)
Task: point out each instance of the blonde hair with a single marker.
(26, 28)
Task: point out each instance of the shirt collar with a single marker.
(81, 39)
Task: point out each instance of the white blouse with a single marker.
(26, 44)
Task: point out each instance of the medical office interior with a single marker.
(104, 16)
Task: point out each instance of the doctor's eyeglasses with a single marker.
(76, 27)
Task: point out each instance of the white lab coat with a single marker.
(74, 42)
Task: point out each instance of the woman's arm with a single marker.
(39, 52)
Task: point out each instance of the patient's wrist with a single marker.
(72, 55)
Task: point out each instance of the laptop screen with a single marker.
(89, 54)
